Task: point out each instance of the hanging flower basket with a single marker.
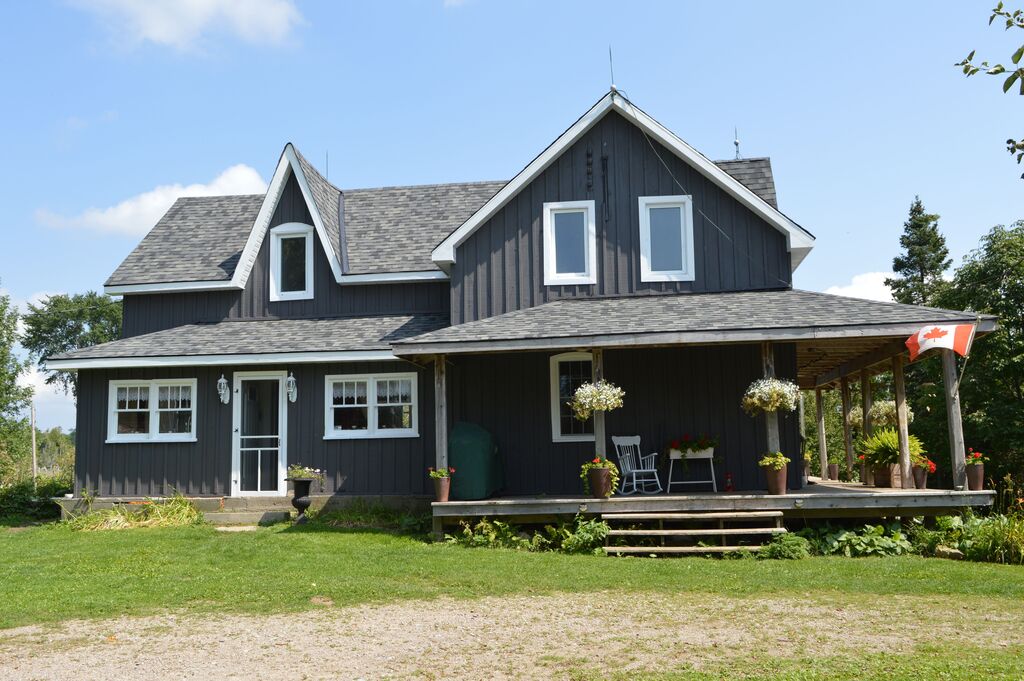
(768, 395)
(591, 397)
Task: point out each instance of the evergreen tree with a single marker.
(924, 259)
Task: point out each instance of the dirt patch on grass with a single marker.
(540, 637)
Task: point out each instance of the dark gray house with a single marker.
(349, 329)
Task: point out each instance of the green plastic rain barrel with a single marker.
(474, 456)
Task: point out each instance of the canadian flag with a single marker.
(956, 337)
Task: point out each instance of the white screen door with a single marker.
(259, 435)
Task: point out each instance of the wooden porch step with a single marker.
(697, 533)
(647, 550)
(717, 515)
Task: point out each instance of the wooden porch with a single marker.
(823, 499)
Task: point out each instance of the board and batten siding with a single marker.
(500, 267)
(145, 313)
(379, 466)
(669, 392)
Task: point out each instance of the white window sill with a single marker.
(666, 276)
(361, 435)
(573, 438)
(147, 440)
(294, 295)
(570, 281)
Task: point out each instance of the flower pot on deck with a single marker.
(300, 498)
(920, 477)
(442, 486)
(600, 481)
(776, 479)
(887, 475)
(833, 471)
(976, 477)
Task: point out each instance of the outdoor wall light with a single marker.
(222, 389)
(291, 387)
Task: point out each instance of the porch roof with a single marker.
(256, 342)
(829, 330)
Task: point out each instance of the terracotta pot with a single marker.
(600, 480)
(885, 475)
(776, 479)
(833, 471)
(920, 477)
(976, 477)
(441, 488)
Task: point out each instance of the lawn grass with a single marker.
(51, 573)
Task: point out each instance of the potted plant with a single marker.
(686, 447)
(922, 467)
(975, 470)
(442, 478)
(302, 478)
(769, 395)
(591, 397)
(881, 451)
(774, 465)
(600, 477)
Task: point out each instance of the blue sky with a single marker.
(116, 106)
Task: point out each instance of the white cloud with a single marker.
(870, 285)
(137, 215)
(182, 23)
(53, 407)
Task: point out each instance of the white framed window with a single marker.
(370, 406)
(291, 262)
(666, 238)
(152, 411)
(569, 371)
(570, 243)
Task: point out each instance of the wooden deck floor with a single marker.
(820, 500)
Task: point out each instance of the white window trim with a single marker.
(553, 278)
(290, 230)
(556, 416)
(372, 432)
(154, 417)
(685, 203)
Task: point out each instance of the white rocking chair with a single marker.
(639, 472)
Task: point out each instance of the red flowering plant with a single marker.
(438, 473)
(599, 462)
(688, 444)
(974, 458)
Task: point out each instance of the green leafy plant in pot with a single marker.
(775, 466)
(442, 478)
(881, 451)
(600, 477)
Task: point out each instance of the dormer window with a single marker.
(570, 243)
(666, 238)
(291, 262)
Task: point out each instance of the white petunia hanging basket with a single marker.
(769, 395)
(591, 397)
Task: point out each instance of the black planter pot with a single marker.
(301, 500)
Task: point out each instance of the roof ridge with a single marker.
(424, 186)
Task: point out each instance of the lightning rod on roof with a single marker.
(611, 68)
(736, 141)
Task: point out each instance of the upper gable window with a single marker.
(666, 238)
(570, 243)
(291, 262)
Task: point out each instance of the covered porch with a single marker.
(701, 351)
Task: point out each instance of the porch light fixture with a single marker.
(222, 389)
(291, 387)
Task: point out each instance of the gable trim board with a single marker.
(225, 360)
(799, 241)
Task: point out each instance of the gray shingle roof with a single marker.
(267, 336)
(199, 239)
(387, 229)
(739, 311)
(756, 174)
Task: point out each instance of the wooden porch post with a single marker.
(822, 446)
(868, 428)
(599, 433)
(844, 387)
(440, 413)
(956, 426)
(771, 420)
(906, 476)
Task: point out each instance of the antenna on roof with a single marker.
(736, 141)
(611, 68)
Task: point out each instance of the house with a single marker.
(349, 329)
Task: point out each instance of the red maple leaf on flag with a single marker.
(935, 333)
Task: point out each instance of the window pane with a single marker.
(351, 418)
(394, 417)
(133, 423)
(143, 399)
(185, 397)
(122, 398)
(571, 375)
(176, 421)
(666, 239)
(570, 242)
(293, 264)
(250, 470)
(268, 470)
